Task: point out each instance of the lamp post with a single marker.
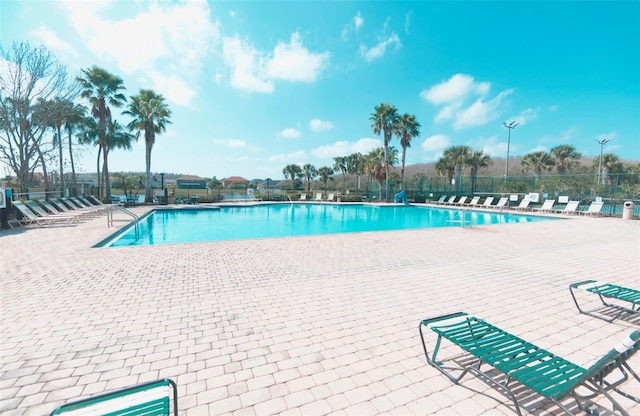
(602, 143)
(510, 126)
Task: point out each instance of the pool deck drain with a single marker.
(295, 326)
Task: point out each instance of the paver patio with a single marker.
(296, 326)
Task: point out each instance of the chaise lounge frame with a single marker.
(154, 398)
(610, 291)
(541, 371)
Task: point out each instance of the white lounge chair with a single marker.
(330, 197)
(488, 202)
(318, 196)
(594, 208)
(524, 205)
(461, 201)
(441, 200)
(451, 200)
(547, 206)
(303, 197)
(502, 203)
(474, 201)
(570, 208)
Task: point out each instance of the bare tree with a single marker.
(29, 77)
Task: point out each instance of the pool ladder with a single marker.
(459, 216)
(110, 219)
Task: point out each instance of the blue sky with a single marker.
(257, 85)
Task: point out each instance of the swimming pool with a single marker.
(173, 226)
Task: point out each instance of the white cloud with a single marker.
(290, 133)
(492, 147)
(358, 21)
(245, 63)
(436, 142)
(455, 90)
(607, 136)
(174, 36)
(454, 95)
(319, 125)
(294, 62)
(173, 88)
(378, 50)
(529, 114)
(231, 143)
(553, 108)
(341, 148)
(52, 41)
(480, 112)
(293, 157)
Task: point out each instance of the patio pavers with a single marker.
(302, 325)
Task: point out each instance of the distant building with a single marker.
(234, 182)
(191, 182)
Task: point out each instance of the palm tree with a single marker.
(610, 164)
(406, 129)
(445, 166)
(102, 89)
(150, 114)
(477, 160)
(537, 162)
(566, 155)
(340, 165)
(355, 166)
(310, 172)
(459, 156)
(374, 166)
(292, 171)
(74, 120)
(324, 173)
(384, 120)
(60, 110)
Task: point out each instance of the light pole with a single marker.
(509, 126)
(602, 143)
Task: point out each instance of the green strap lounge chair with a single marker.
(155, 398)
(609, 291)
(541, 371)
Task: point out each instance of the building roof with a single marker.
(234, 179)
(191, 178)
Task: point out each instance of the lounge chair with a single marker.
(570, 208)
(318, 196)
(474, 201)
(154, 398)
(451, 200)
(74, 205)
(547, 206)
(39, 211)
(502, 203)
(303, 197)
(594, 208)
(488, 202)
(609, 291)
(461, 201)
(330, 197)
(541, 371)
(524, 205)
(441, 199)
(54, 210)
(30, 218)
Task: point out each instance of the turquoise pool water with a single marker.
(173, 226)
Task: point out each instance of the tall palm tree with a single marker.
(292, 171)
(406, 129)
(459, 157)
(102, 89)
(355, 166)
(74, 121)
(310, 172)
(374, 166)
(324, 173)
(477, 160)
(445, 166)
(610, 164)
(340, 165)
(383, 120)
(60, 110)
(566, 155)
(150, 114)
(537, 162)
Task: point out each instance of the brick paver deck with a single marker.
(295, 326)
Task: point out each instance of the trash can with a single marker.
(627, 210)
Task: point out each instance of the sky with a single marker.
(256, 85)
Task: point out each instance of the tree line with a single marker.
(39, 99)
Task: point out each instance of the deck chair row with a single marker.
(524, 205)
(55, 211)
(547, 374)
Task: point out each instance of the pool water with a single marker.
(173, 226)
